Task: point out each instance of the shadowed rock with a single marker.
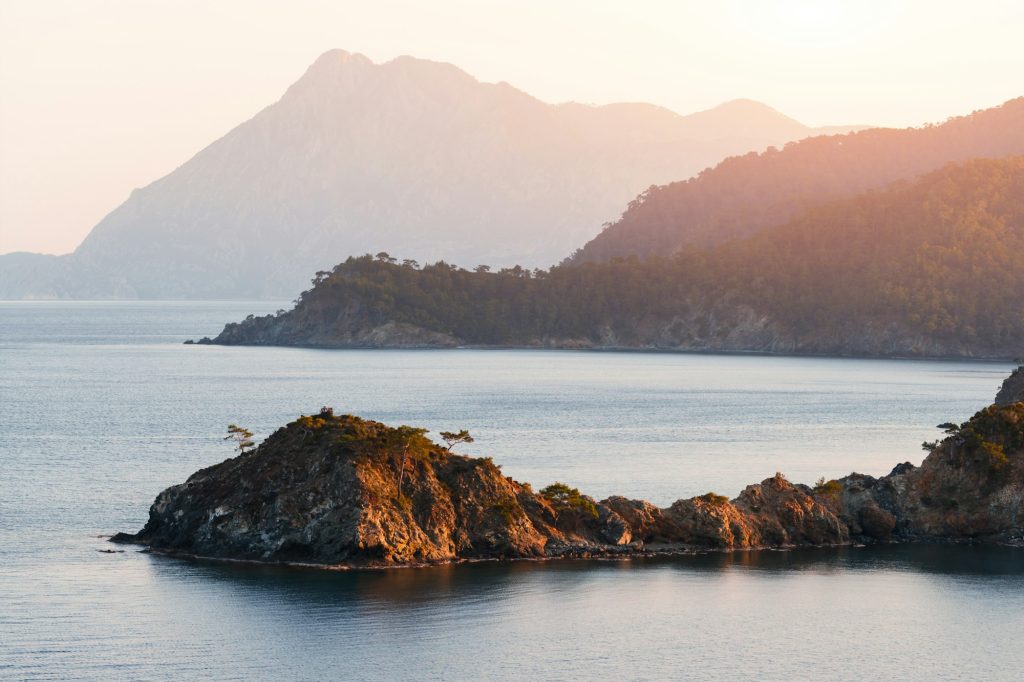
(1012, 390)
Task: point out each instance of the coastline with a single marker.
(624, 349)
(606, 556)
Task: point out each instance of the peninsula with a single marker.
(928, 268)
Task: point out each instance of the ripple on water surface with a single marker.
(102, 407)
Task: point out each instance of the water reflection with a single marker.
(104, 408)
(415, 587)
(847, 613)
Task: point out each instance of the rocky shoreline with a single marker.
(753, 337)
(343, 492)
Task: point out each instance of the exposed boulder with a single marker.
(783, 514)
(711, 521)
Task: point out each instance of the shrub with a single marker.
(832, 488)
(509, 508)
(995, 455)
(563, 497)
(715, 499)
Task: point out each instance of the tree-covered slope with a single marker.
(931, 267)
(745, 194)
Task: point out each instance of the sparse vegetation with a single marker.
(454, 438)
(715, 499)
(510, 509)
(564, 497)
(241, 436)
(986, 437)
(831, 488)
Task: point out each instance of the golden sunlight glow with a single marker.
(798, 23)
(88, 81)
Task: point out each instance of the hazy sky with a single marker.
(99, 97)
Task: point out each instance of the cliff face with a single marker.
(720, 328)
(1012, 390)
(343, 491)
(282, 330)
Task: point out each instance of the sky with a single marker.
(98, 97)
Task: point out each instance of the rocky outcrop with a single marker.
(343, 491)
(722, 329)
(278, 331)
(1012, 390)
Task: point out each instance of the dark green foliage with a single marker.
(564, 497)
(831, 488)
(715, 499)
(988, 437)
(453, 438)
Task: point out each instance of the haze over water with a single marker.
(102, 407)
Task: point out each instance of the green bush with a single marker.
(562, 497)
(715, 499)
(832, 488)
(510, 509)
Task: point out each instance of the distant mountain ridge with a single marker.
(409, 156)
(746, 194)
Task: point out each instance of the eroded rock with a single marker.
(1012, 390)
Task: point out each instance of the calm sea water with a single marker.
(101, 407)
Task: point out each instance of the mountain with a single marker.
(924, 268)
(410, 156)
(749, 193)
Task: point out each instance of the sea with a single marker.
(102, 406)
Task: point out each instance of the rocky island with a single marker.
(341, 491)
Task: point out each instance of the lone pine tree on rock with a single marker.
(454, 439)
(241, 436)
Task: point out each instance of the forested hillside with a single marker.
(746, 194)
(932, 267)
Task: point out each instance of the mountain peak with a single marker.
(337, 57)
(406, 154)
(333, 63)
(747, 118)
(339, 68)
(745, 105)
(746, 112)
(329, 70)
